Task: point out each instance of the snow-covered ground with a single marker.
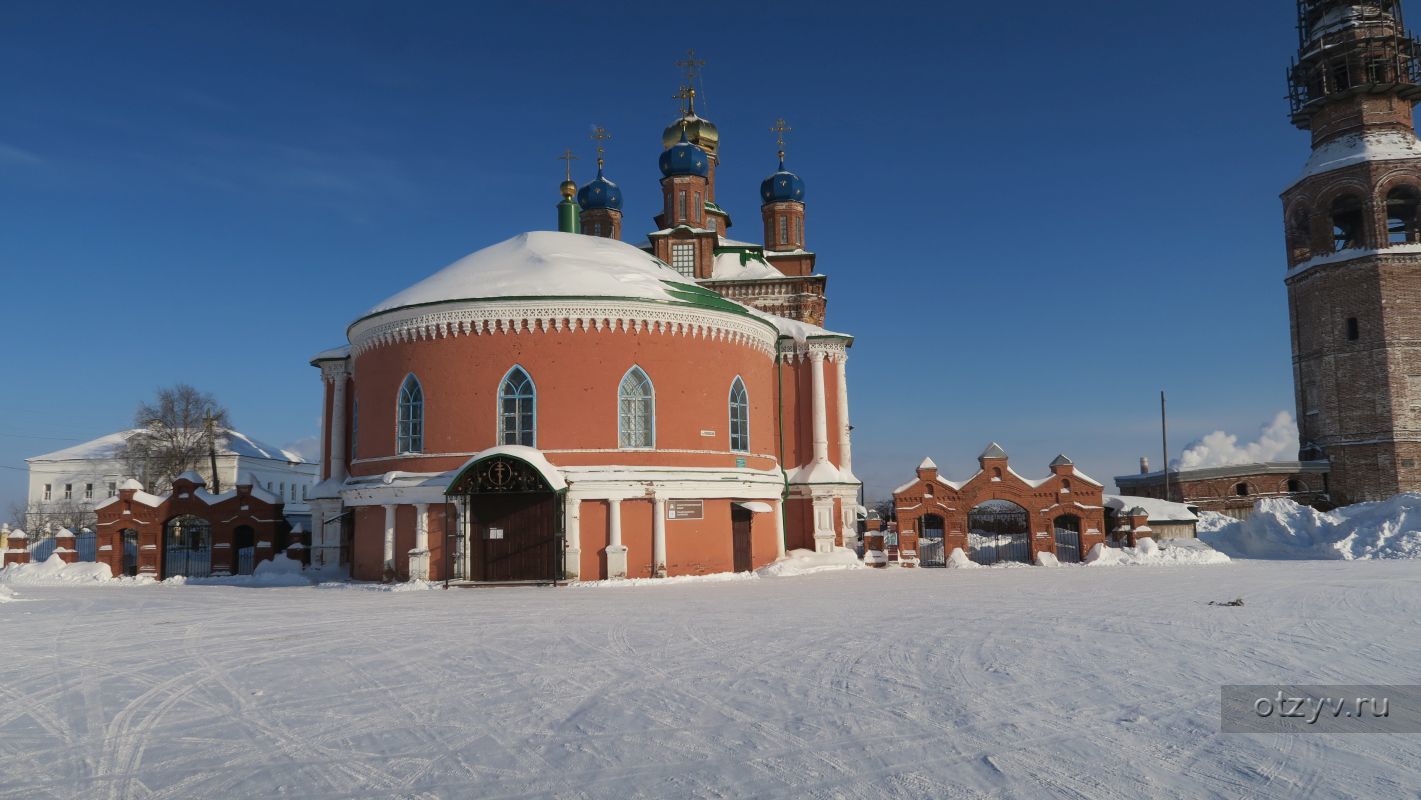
(1001, 683)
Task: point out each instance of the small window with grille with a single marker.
(683, 259)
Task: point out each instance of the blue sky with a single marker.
(1034, 217)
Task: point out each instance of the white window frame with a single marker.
(68, 491)
(409, 416)
(624, 432)
(683, 258)
(503, 417)
(49, 491)
(739, 412)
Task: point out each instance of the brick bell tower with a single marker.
(1354, 247)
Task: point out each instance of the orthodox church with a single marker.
(563, 405)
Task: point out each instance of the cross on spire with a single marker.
(569, 157)
(780, 129)
(600, 135)
(692, 66)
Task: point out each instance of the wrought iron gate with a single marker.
(515, 524)
(931, 552)
(187, 547)
(1068, 539)
(999, 531)
(130, 551)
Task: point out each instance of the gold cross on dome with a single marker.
(780, 129)
(567, 155)
(687, 96)
(600, 135)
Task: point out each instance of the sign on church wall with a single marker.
(685, 509)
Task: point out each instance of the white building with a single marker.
(87, 474)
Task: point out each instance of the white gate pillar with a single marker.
(419, 556)
(572, 526)
(389, 541)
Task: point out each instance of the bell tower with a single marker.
(1354, 247)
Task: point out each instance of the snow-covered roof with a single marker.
(229, 443)
(1351, 254)
(193, 477)
(1158, 510)
(531, 456)
(1356, 148)
(546, 264)
(1062, 461)
(993, 450)
(799, 331)
(928, 463)
(742, 265)
(333, 354)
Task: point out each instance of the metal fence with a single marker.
(931, 553)
(85, 544)
(191, 562)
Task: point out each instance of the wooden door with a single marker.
(515, 537)
(740, 536)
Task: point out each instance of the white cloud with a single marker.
(1277, 441)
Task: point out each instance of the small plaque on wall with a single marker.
(686, 509)
(495, 533)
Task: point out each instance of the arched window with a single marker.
(1346, 223)
(517, 404)
(1402, 223)
(1241, 490)
(354, 428)
(1300, 236)
(409, 432)
(739, 417)
(636, 410)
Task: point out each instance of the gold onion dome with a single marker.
(568, 189)
(699, 131)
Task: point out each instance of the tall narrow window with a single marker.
(48, 491)
(1346, 223)
(1403, 224)
(516, 408)
(696, 207)
(681, 206)
(354, 428)
(799, 225)
(68, 491)
(1353, 331)
(1300, 236)
(739, 417)
(88, 491)
(784, 230)
(409, 432)
(113, 488)
(636, 410)
(683, 259)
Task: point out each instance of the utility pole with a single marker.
(1164, 440)
(212, 454)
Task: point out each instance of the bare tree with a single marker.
(36, 518)
(176, 432)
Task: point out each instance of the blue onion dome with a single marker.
(684, 158)
(600, 193)
(781, 186)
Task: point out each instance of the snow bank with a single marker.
(54, 570)
(1044, 559)
(1281, 529)
(806, 562)
(1148, 553)
(7, 594)
(407, 586)
(279, 571)
(959, 560)
(719, 577)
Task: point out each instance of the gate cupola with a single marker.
(1356, 68)
(601, 199)
(993, 461)
(927, 471)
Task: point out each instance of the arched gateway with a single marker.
(511, 528)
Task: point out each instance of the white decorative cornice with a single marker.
(448, 320)
(834, 351)
(332, 370)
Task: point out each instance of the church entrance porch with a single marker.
(513, 523)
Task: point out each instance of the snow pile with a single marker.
(1281, 529)
(1148, 553)
(719, 577)
(959, 560)
(1045, 559)
(875, 558)
(7, 594)
(54, 570)
(407, 586)
(806, 562)
(279, 571)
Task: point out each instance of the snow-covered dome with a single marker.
(543, 264)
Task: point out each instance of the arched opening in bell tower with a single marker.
(1346, 214)
(1403, 215)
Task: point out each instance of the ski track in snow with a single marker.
(1070, 683)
